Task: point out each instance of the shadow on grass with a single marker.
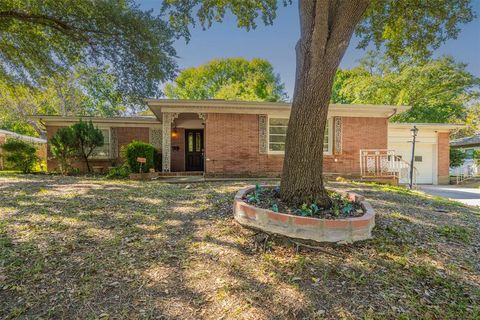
(83, 248)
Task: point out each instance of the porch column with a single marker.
(167, 119)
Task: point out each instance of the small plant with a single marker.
(308, 210)
(253, 198)
(118, 172)
(274, 207)
(20, 155)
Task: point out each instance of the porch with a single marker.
(183, 144)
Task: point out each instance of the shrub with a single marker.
(457, 157)
(20, 155)
(63, 147)
(87, 139)
(118, 172)
(138, 149)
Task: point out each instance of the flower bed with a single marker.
(342, 229)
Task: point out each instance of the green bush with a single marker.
(20, 155)
(457, 157)
(63, 146)
(138, 149)
(118, 172)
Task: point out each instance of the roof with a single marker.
(158, 106)
(135, 119)
(432, 126)
(23, 137)
(466, 141)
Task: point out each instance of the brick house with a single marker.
(232, 138)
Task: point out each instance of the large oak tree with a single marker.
(404, 27)
(40, 38)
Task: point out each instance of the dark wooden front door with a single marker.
(194, 150)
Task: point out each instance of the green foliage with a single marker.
(308, 210)
(476, 155)
(42, 38)
(83, 91)
(20, 155)
(457, 157)
(119, 172)
(139, 149)
(63, 146)
(87, 139)
(274, 207)
(437, 89)
(229, 79)
(454, 232)
(254, 197)
(403, 28)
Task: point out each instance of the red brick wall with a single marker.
(125, 136)
(443, 157)
(178, 151)
(357, 133)
(232, 146)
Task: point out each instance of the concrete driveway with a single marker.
(469, 196)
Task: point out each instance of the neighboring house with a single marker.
(231, 138)
(40, 143)
(467, 144)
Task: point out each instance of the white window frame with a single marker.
(329, 150)
(109, 143)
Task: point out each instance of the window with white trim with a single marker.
(277, 133)
(103, 152)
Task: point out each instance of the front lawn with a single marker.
(91, 248)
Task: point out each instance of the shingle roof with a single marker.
(467, 141)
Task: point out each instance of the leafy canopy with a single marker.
(439, 90)
(404, 28)
(43, 37)
(229, 79)
(83, 91)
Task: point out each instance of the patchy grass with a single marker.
(73, 247)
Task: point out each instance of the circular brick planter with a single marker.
(322, 230)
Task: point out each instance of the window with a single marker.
(103, 152)
(277, 132)
(418, 158)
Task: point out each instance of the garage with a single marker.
(431, 149)
(424, 160)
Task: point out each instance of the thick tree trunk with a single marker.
(326, 29)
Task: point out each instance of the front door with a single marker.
(194, 150)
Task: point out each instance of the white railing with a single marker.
(466, 172)
(383, 163)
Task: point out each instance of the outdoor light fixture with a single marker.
(174, 131)
(414, 132)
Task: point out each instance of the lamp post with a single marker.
(414, 132)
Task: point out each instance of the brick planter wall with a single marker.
(346, 230)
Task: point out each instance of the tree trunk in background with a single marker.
(326, 29)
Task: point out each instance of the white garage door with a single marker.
(424, 160)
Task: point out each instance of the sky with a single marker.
(276, 43)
